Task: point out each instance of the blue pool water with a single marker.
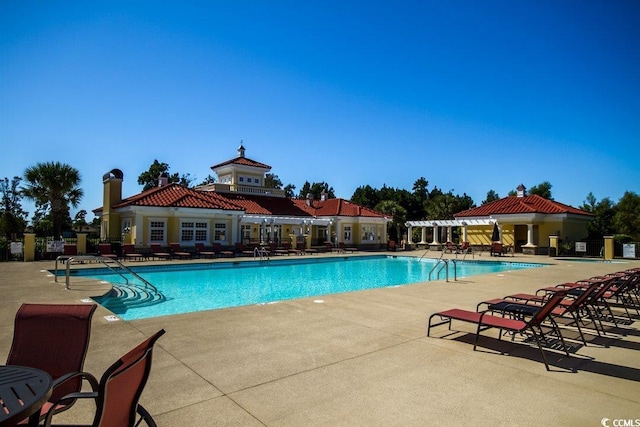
(197, 287)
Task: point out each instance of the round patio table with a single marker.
(23, 391)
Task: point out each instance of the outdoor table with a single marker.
(23, 391)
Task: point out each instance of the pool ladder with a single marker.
(70, 260)
(261, 253)
(444, 263)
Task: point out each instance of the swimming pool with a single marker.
(198, 287)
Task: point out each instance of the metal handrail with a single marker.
(104, 260)
(260, 253)
(445, 263)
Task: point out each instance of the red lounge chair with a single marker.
(574, 306)
(119, 390)
(106, 251)
(217, 248)
(177, 251)
(242, 250)
(158, 252)
(451, 248)
(203, 252)
(53, 338)
(485, 321)
(129, 252)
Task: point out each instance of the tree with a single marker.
(366, 196)
(13, 219)
(150, 178)
(398, 216)
(543, 190)
(54, 187)
(603, 211)
(627, 216)
(316, 189)
(272, 181)
(208, 180)
(491, 197)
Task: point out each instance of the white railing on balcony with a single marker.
(246, 189)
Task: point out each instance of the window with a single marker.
(368, 233)
(256, 180)
(191, 231)
(241, 179)
(245, 231)
(156, 231)
(347, 233)
(248, 179)
(220, 232)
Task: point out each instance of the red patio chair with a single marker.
(53, 338)
(485, 320)
(106, 251)
(120, 388)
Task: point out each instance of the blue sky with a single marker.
(473, 96)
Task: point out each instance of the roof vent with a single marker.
(522, 190)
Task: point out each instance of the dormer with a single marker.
(242, 175)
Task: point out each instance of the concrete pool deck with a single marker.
(359, 358)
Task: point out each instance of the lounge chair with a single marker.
(574, 306)
(158, 252)
(117, 395)
(129, 252)
(284, 250)
(105, 250)
(204, 252)
(217, 248)
(485, 320)
(242, 250)
(55, 339)
(178, 252)
(343, 248)
(70, 249)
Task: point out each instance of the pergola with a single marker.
(449, 223)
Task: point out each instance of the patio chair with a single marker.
(204, 252)
(120, 388)
(158, 252)
(217, 248)
(496, 249)
(450, 247)
(105, 250)
(485, 320)
(178, 252)
(53, 338)
(129, 252)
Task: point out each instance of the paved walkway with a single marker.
(359, 358)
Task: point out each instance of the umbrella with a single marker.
(495, 236)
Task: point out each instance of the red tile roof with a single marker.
(174, 195)
(337, 207)
(242, 161)
(520, 205)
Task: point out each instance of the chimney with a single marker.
(323, 195)
(163, 180)
(309, 199)
(241, 150)
(522, 190)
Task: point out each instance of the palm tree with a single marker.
(53, 186)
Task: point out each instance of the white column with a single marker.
(424, 236)
(529, 234)
(464, 233)
(435, 235)
(449, 234)
(409, 234)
